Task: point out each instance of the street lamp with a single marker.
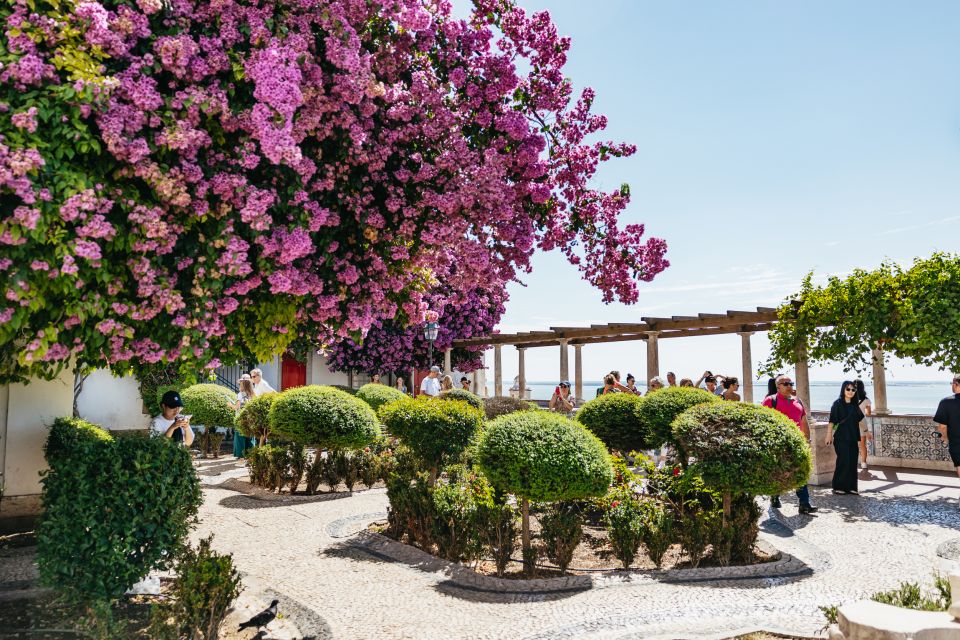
(430, 331)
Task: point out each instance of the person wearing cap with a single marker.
(260, 386)
(465, 383)
(170, 423)
(562, 401)
(431, 384)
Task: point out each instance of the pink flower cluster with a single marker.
(246, 173)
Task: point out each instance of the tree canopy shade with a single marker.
(911, 313)
(202, 182)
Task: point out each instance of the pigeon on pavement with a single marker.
(262, 619)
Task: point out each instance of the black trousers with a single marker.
(845, 474)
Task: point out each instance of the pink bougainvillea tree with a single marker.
(202, 180)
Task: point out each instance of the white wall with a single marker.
(271, 372)
(112, 402)
(31, 408)
(318, 371)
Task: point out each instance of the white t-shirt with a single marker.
(430, 386)
(161, 424)
(262, 387)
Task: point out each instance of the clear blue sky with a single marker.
(773, 138)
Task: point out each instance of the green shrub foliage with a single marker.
(376, 395)
(114, 508)
(744, 448)
(624, 520)
(253, 420)
(612, 417)
(437, 431)
(502, 405)
(658, 411)
(544, 456)
(462, 394)
(207, 583)
(209, 404)
(323, 417)
(561, 527)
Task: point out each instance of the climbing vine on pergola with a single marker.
(912, 313)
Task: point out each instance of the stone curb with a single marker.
(787, 566)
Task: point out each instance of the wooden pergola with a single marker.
(652, 330)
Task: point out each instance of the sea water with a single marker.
(919, 398)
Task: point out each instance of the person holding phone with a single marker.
(171, 423)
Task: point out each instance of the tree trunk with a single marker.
(726, 507)
(432, 479)
(525, 511)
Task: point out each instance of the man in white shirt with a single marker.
(260, 386)
(431, 384)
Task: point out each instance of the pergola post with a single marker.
(497, 372)
(447, 362)
(564, 360)
(413, 382)
(803, 380)
(747, 357)
(578, 372)
(522, 377)
(653, 355)
(879, 385)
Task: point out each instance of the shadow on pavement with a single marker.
(251, 502)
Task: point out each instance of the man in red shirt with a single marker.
(784, 402)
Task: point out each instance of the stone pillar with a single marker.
(653, 355)
(497, 371)
(412, 382)
(578, 372)
(747, 356)
(447, 364)
(879, 385)
(564, 360)
(522, 381)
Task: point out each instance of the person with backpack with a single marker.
(843, 433)
(784, 402)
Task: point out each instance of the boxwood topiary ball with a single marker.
(544, 456)
(437, 431)
(253, 420)
(744, 448)
(209, 404)
(660, 408)
(323, 417)
(462, 394)
(612, 417)
(502, 405)
(376, 395)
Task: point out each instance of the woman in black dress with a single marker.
(844, 433)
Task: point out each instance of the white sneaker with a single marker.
(863, 465)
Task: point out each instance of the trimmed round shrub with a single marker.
(323, 417)
(744, 448)
(462, 394)
(376, 395)
(543, 456)
(253, 420)
(437, 431)
(114, 508)
(502, 405)
(659, 409)
(613, 418)
(209, 404)
(345, 389)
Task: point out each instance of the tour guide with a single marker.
(948, 419)
(784, 402)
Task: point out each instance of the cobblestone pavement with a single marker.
(311, 551)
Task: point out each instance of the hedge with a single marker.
(543, 456)
(209, 404)
(462, 394)
(744, 448)
(114, 508)
(437, 431)
(658, 411)
(612, 417)
(502, 405)
(253, 420)
(376, 395)
(323, 417)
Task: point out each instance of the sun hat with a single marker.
(245, 376)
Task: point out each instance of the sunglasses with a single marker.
(850, 389)
(784, 384)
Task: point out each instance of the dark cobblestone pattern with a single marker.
(853, 547)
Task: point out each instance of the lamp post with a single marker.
(430, 331)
